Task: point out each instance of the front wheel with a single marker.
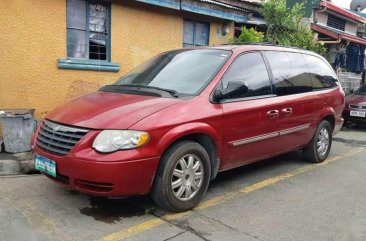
(182, 177)
(318, 149)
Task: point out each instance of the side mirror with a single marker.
(234, 89)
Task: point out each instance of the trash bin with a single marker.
(18, 128)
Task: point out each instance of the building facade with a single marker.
(333, 23)
(337, 28)
(54, 50)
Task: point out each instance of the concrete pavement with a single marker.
(15, 164)
(282, 198)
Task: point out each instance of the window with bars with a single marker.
(336, 22)
(195, 33)
(88, 30)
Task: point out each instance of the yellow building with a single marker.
(53, 50)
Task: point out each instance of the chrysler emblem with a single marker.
(56, 127)
(53, 126)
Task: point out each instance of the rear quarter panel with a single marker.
(333, 103)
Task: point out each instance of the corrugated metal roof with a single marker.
(224, 5)
(337, 34)
(359, 13)
(344, 12)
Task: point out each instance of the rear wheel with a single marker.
(318, 149)
(182, 177)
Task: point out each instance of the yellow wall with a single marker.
(216, 38)
(33, 38)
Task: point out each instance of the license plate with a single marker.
(357, 113)
(45, 165)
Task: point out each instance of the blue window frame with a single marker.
(88, 30)
(88, 25)
(195, 33)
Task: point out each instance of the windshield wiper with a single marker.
(171, 92)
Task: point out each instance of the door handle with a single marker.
(273, 114)
(287, 111)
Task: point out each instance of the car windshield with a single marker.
(183, 72)
(362, 90)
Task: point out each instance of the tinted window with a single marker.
(251, 69)
(289, 72)
(322, 75)
(185, 71)
(361, 90)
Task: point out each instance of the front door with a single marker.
(249, 121)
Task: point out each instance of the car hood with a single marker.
(356, 100)
(106, 110)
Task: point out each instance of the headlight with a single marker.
(113, 140)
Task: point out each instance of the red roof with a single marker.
(342, 11)
(339, 35)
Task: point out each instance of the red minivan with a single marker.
(170, 125)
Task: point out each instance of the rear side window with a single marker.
(289, 72)
(321, 74)
(251, 69)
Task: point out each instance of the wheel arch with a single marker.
(330, 119)
(203, 134)
(328, 114)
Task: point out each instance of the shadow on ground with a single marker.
(114, 210)
(295, 157)
(351, 127)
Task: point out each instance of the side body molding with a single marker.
(269, 135)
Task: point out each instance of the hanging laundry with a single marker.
(354, 58)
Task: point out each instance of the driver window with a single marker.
(251, 69)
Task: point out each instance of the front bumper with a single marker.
(101, 178)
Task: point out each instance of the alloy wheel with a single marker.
(323, 141)
(187, 177)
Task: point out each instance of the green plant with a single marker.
(248, 36)
(287, 26)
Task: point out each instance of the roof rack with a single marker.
(251, 43)
(263, 44)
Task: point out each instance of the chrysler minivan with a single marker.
(170, 125)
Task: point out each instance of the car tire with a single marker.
(178, 186)
(318, 148)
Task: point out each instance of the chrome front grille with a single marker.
(58, 139)
(358, 106)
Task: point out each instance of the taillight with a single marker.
(343, 95)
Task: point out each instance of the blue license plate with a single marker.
(45, 165)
